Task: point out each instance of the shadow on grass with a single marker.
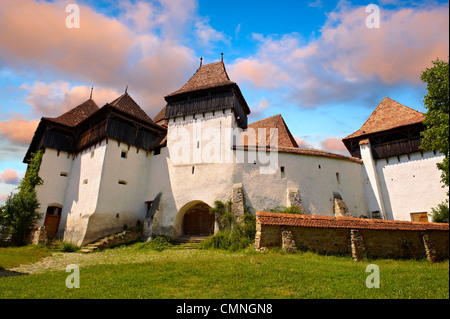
(9, 273)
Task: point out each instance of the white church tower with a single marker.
(401, 181)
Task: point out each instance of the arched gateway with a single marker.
(197, 220)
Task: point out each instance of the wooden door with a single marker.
(198, 221)
(52, 219)
(419, 217)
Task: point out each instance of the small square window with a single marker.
(85, 181)
(124, 154)
(157, 151)
(92, 154)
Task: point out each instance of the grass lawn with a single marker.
(135, 271)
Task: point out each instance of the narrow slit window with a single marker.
(63, 174)
(283, 172)
(193, 169)
(92, 154)
(337, 177)
(122, 182)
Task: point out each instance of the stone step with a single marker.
(191, 239)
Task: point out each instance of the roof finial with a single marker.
(201, 61)
(126, 89)
(92, 89)
(222, 56)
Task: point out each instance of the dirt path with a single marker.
(59, 261)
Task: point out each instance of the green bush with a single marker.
(68, 247)
(20, 212)
(233, 235)
(440, 213)
(158, 243)
(284, 210)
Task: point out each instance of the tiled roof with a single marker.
(304, 151)
(319, 221)
(126, 104)
(76, 115)
(207, 76)
(159, 118)
(389, 114)
(285, 138)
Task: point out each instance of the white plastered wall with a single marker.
(410, 185)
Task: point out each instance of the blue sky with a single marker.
(314, 62)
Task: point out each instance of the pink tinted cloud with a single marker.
(302, 143)
(348, 57)
(18, 130)
(106, 52)
(334, 145)
(9, 176)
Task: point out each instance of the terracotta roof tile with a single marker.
(207, 76)
(304, 151)
(285, 138)
(389, 114)
(126, 104)
(278, 219)
(159, 118)
(76, 115)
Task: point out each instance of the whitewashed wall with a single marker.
(410, 185)
(53, 191)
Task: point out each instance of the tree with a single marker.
(436, 133)
(20, 212)
(440, 213)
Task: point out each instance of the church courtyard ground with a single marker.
(137, 271)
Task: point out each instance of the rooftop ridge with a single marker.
(282, 219)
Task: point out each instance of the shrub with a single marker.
(19, 214)
(233, 235)
(158, 243)
(68, 247)
(440, 213)
(285, 210)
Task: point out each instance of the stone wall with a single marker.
(356, 237)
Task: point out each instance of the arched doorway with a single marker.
(52, 219)
(198, 221)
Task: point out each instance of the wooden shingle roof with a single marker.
(207, 76)
(318, 221)
(125, 103)
(76, 115)
(388, 115)
(285, 138)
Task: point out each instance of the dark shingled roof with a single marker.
(207, 76)
(159, 118)
(126, 104)
(389, 114)
(285, 138)
(279, 219)
(76, 115)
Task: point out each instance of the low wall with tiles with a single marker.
(357, 237)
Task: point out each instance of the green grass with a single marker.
(140, 272)
(14, 256)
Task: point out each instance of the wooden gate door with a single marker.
(52, 219)
(198, 221)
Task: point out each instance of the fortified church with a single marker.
(110, 166)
